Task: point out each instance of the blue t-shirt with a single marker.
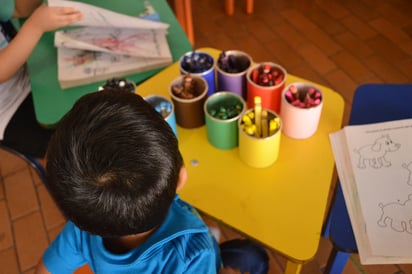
(182, 244)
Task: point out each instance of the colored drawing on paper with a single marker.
(119, 41)
(80, 59)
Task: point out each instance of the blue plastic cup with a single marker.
(165, 107)
(201, 64)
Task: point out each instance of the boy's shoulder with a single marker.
(182, 242)
(184, 228)
(182, 219)
(185, 235)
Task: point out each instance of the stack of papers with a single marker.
(374, 164)
(108, 44)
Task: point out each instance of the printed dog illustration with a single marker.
(397, 215)
(375, 153)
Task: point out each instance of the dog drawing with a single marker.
(374, 154)
(398, 216)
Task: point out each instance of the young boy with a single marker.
(17, 118)
(113, 168)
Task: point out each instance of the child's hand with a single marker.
(46, 18)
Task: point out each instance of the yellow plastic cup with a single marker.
(259, 152)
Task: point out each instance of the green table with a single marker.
(51, 103)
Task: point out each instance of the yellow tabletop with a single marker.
(281, 206)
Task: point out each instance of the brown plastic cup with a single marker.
(189, 112)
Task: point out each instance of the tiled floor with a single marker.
(340, 44)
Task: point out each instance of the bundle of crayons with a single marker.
(118, 84)
(257, 122)
(226, 111)
(232, 63)
(197, 62)
(267, 75)
(186, 89)
(164, 108)
(303, 98)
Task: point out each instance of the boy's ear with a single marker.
(182, 178)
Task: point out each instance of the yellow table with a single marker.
(281, 206)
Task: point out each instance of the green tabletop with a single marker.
(51, 103)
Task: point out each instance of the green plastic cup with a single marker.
(222, 111)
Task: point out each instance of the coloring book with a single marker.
(107, 44)
(374, 164)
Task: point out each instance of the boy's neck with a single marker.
(124, 244)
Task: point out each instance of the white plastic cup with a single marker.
(300, 122)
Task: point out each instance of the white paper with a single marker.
(374, 164)
(90, 54)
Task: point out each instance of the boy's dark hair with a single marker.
(113, 164)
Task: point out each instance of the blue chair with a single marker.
(372, 103)
(33, 162)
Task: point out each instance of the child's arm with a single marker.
(43, 19)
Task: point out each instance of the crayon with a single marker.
(303, 98)
(265, 129)
(267, 75)
(186, 89)
(268, 125)
(258, 115)
(274, 125)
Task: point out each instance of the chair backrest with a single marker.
(230, 6)
(183, 11)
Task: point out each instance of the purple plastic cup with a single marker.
(231, 67)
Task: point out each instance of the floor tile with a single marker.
(6, 235)
(388, 50)
(351, 43)
(51, 213)
(8, 262)
(361, 30)
(10, 163)
(20, 193)
(31, 239)
(352, 66)
(393, 33)
(312, 32)
(389, 73)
